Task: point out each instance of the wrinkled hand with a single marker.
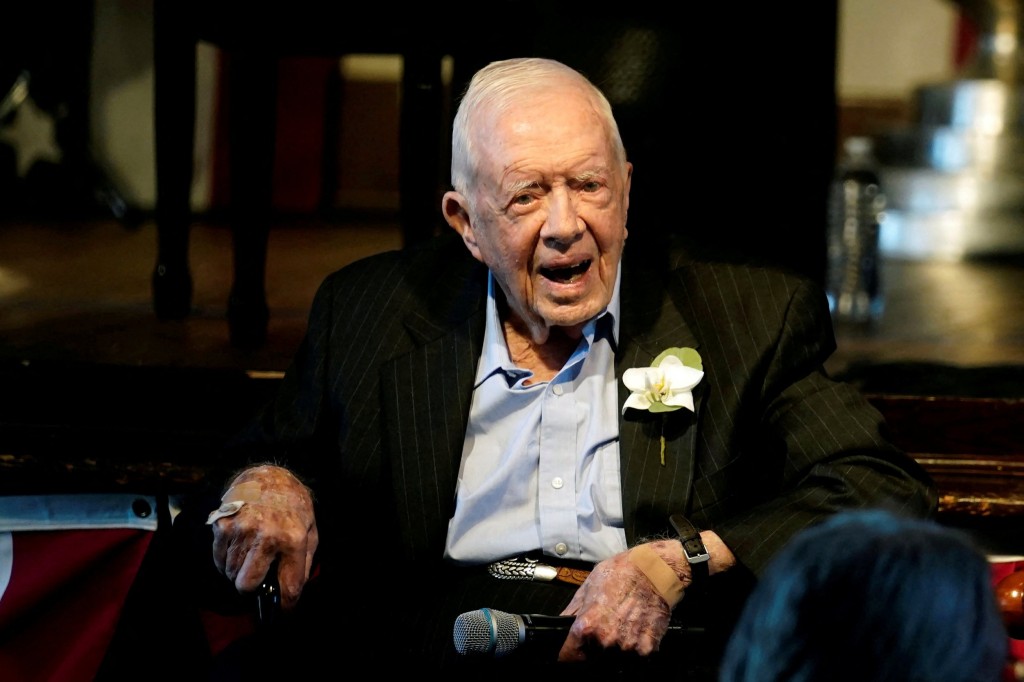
(618, 607)
(276, 521)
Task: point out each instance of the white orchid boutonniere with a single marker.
(666, 385)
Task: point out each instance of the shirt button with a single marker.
(557, 482)
(561, 548)
(557, 389)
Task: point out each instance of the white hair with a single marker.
(497, 86)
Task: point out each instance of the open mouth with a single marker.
(566, 275)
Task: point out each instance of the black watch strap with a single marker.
(693, 546)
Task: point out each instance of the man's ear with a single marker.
(456, 214)
(628, 186)
(629, 183)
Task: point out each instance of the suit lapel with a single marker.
(425, 433)
(652, 490)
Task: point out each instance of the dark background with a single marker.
(728, 114)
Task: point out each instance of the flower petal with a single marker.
(636, 378)
(637, 401)
(682, 378)
(681, 399)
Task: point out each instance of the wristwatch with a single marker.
(693, 547)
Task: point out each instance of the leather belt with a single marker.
(534, 570)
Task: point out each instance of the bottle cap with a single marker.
(858, 147)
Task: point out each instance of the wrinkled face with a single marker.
(548, 213)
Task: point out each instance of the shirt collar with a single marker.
(495, 355)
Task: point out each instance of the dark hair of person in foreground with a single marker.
(870, 596)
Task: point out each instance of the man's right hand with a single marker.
(274, 521)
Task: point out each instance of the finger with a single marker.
(648, 644)
(252, 568)
(220, 555)
(572, 649)
(292, 575)
(312, 542)
(229, 547)
(310, 556)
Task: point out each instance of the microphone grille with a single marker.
(486, 631)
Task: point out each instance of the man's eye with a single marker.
(522, 200)
(591, 186)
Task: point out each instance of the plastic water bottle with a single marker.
(856, 212)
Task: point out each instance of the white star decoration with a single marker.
(32, 133)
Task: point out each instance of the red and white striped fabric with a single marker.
(66, 565)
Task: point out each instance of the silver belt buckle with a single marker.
(522, 569)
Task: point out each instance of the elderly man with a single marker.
(532, 419)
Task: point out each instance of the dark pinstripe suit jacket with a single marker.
(375, 407)
(374, 410)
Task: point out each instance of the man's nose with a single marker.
(564, 222)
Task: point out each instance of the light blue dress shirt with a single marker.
(540, 464)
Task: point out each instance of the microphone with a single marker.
(490, 632)
(496, 633)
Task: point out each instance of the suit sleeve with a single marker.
(823, 442)
(297, 428)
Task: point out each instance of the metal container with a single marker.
(955, 178)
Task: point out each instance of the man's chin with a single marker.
(570, 316)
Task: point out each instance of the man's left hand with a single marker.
(618, 607)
